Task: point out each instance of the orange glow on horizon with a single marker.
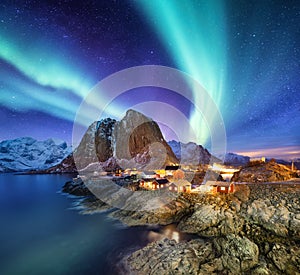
(287, 152)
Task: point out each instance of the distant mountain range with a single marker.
(191, 153)
(134, 141)
(24, 154)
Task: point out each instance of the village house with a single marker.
(154, 184)
(146, 183)
(180, 185)
(160, 184)
(118, 173)
(161, 173)
(220, 187)
(170, 169)
(130, 172)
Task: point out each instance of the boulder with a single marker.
(239, 254)
(168, 257)
(286, 259)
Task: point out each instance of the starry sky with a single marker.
(246, 54)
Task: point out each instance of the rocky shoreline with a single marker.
(256, 230)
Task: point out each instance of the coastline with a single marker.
(262, 224)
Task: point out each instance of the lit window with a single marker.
(161, 186)
(170, 188)
(223, 188)
(175, 188)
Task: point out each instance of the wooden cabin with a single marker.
(160, 184)
(221, 187)
(180, 186)
(146, 183)
(154, 184)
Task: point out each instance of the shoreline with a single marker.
(266, 220)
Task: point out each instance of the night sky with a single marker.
(246, 54)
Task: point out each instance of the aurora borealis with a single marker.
(245, 53)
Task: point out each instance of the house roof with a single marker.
(181, 182)
(172, 167)
(147, 180)
(162, 181)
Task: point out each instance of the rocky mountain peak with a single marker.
(136, 135)
(134, 141)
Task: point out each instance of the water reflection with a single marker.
(168, 231)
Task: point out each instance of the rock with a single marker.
(240, 226)
(264, 172)
(169, 257)
(137, 135)
(96, 144)
(278, 220)
(286, 259)
(262, 268)
(76, 187)
(238, 254)
(210, 220)
(145, 210)
(66, 166)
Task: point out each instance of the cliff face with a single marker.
(66, 166)
(96, 144)
(139, 137)
(134, 141)
(264, 172)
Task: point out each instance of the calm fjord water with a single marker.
(40, 234)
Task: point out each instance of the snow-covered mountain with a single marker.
(191, 153)
(26, 153)
(236, 160)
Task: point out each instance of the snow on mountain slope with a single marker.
(191, 153)
(235, 159)
(26, 153)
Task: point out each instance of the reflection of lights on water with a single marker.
(175, 236)
(168, 231)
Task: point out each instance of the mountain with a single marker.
(138, 139)
(191, 153)
(96, 144)
(236, 160)
(134, 141)
(24, 154)
(264, 172)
